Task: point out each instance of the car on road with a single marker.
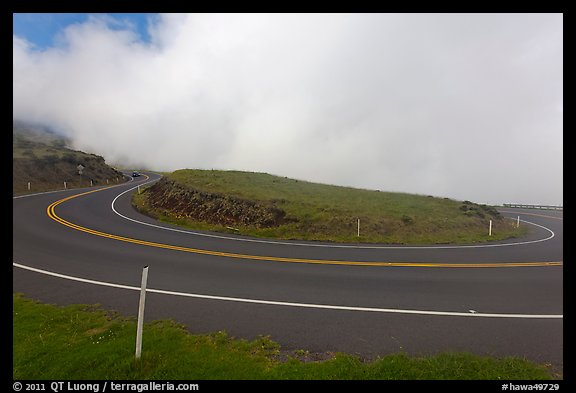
(135, 174)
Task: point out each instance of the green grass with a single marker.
(42, 158)
(85, 342)
(330, 213)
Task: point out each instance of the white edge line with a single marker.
(72, 189)
(291, 304)
(323, 245)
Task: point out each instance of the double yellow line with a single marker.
(51, 211)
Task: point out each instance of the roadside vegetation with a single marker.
(42, 158)
(86, 342)
(263, 205)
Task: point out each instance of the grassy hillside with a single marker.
(85, 342)
(41, 157)
(259, 204)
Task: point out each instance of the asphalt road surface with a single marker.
(499, 299)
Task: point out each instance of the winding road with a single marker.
(89, 246)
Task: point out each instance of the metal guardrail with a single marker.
(524, 206)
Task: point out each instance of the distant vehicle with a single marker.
(135, 174)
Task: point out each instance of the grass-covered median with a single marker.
(262, 205)
(85, 342)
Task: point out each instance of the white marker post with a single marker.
(141, 313)
(518, 222)
(28, 186)
(138, 190)
(65, 185)
(490, 229)
(358, 227)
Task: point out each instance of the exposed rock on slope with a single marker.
(212, 207)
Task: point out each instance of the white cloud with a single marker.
(465, 106)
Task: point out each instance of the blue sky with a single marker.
(42, 28)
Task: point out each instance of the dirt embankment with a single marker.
(213, 208)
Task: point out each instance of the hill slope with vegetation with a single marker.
(41, 157)
(263, 205)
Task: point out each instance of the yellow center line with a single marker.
(51, 211)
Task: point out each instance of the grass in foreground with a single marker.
(85, 342)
